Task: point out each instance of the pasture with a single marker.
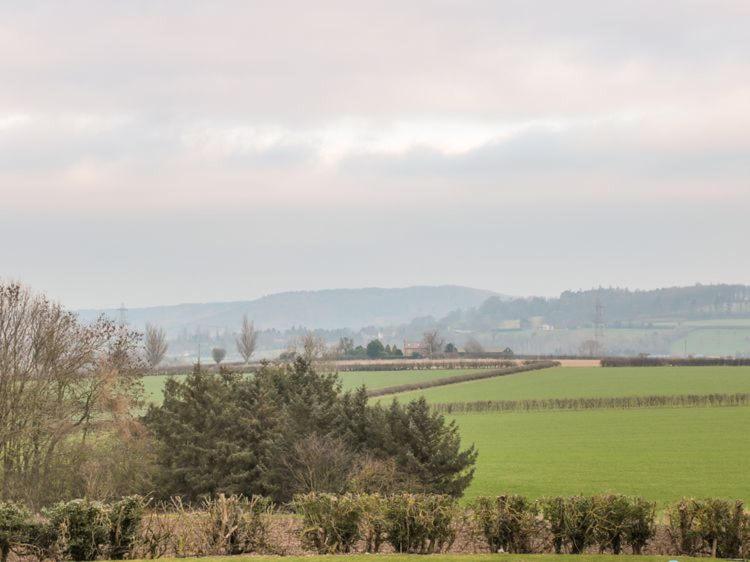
(576, 382)
(661, 454)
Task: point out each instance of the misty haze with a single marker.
(302, 279)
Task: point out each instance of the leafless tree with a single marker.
(472, 345)
(319, 464)
(67, 397)
(309, 346)
(433, 342)
(218, 354)
(590, 348)
(247, 339)
(155, 344)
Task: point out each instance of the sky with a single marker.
(157, 152)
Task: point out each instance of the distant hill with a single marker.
(326, 309)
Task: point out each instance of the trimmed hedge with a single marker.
(488, 374)
(674, 362)
(591, 403)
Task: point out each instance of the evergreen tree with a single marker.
(428, 449)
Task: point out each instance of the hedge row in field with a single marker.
(487, 374)
(591, 403)
(418, 365)
(417, 523)
(408, 523)
(674, 362)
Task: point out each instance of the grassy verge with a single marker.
(449, 558)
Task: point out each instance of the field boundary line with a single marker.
(596, 403)
(487, 374)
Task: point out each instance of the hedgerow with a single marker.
(487, 374)
(590, 403)
(410, 523)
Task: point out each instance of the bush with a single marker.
(82, 528)
(14, 521)
(331, 524)
(508, 523)
(711, 526)
(641, 526)
(571, 521)
(372, 523)
(420, 523)
(620, 519)
(124, 525)
(236, 524)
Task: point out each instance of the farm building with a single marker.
(415, 348)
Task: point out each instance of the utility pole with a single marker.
(123, 314)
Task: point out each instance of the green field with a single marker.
(714, 341)
(153, 385)
(661, 454)
(574, 382)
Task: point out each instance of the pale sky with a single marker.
(156, 152)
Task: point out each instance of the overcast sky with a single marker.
(156, 152)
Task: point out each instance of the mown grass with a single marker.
(580, 382)
(154, 385)
(661, 454)
(446, 558)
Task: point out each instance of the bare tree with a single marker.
(218, 354)
(309, 345)
(433, 342)
(67, 397)
(247, 339)
(472, 345)
(318, 464)
(155, 344)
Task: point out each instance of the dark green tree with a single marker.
(375, 349)
(427, 448)
(215, 434)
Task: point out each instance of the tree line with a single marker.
(72, 418)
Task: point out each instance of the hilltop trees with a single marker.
(155, 345)
(247, 339)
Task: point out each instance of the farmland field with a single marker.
(153, 385)
(574, 382)
(661, 454)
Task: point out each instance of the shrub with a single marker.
(420, 523)
(82, 528)
(508, 523)
(331, 524)
(641, 526)
(372, 523)
(620, 519)
(720, 526)
(714, 526)
(14, 521)
(236, 524)
(124, 525)
(571, 521)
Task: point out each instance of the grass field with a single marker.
(153, 385)
(576, 382)
(445, 558)
(660, 454)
